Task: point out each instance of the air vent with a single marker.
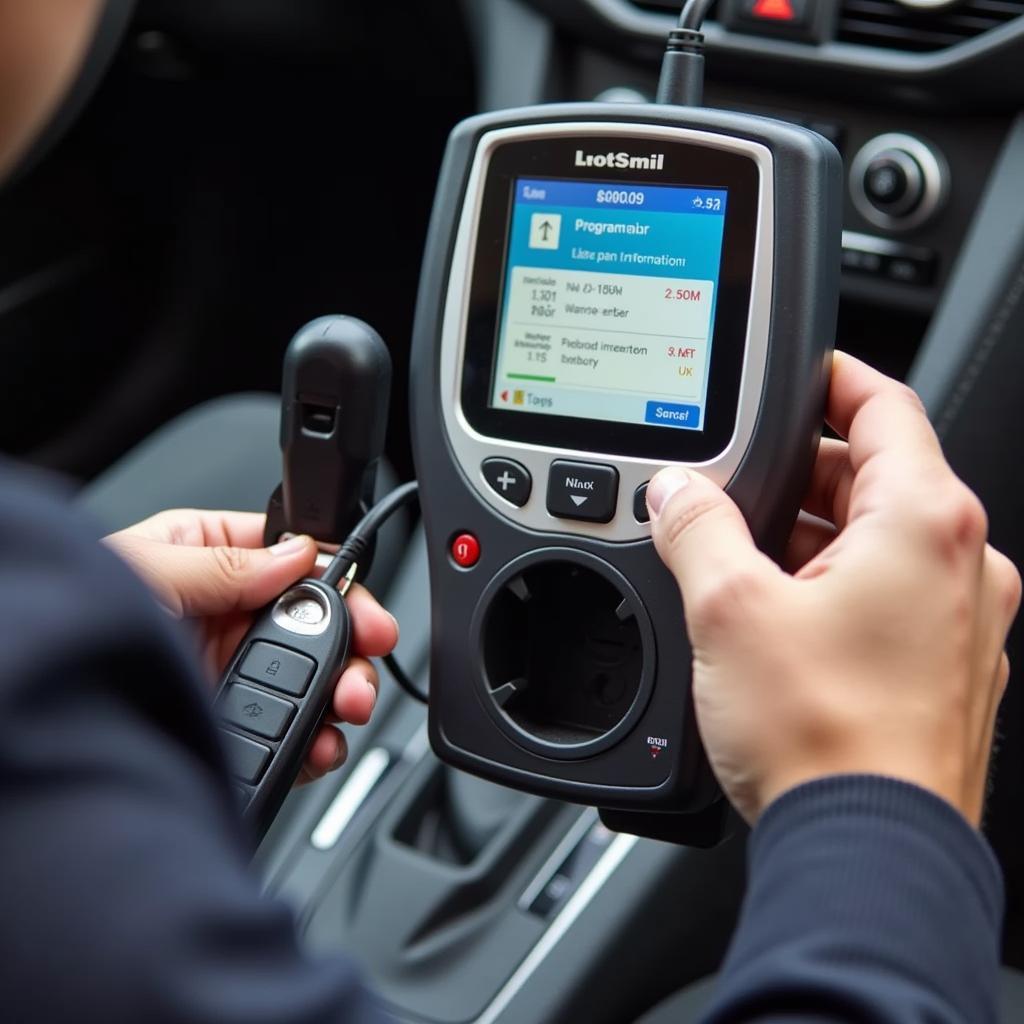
(891, 26)
(671, 6)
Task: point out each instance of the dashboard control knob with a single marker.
(898, 181)
(893, 182)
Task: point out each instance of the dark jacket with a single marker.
(126, 893)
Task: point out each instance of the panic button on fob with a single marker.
(582, 490)
(277, 667)
(255, 711)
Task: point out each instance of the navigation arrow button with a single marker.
(586, 491)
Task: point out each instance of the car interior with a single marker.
(234, 170)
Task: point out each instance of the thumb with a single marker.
(194, 581)
(703, 539)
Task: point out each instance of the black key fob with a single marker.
(275, 693)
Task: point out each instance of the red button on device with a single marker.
(466, 550)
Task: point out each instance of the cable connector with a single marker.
(357, 542)
(682, 68)
(342, 567)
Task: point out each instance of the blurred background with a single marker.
(242, 168)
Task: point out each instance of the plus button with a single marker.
(508, 479)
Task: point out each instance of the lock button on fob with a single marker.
(277, 667)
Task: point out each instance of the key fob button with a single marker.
(306, 610)
(246, 759)
(303, 610)
(255, 711)
(277, 667)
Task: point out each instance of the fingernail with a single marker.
(292, 546)
(394, 620)
(373, 693)
(663, 486)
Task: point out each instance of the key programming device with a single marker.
(607, 290)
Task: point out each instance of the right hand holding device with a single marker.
(883, 652)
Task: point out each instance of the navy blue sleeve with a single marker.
(871, 901)
(126, 890)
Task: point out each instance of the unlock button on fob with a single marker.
(277, 667)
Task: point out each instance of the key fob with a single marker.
(275, 692)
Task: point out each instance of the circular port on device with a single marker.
(568, 653)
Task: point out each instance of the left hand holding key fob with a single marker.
(212, 567)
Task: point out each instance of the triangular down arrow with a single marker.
(578, 499)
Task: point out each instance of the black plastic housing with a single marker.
(336, 385)
(627, 776)
(260, 801)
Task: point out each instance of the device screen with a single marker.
(609, 301)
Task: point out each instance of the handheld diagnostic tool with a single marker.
(607, 290)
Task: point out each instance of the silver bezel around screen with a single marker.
(471, 448)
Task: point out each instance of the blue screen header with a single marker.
(605, 196)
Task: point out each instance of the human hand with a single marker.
(883, 652)
(212, 567)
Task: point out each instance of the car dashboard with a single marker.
(245, 205)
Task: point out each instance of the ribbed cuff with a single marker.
(880, 802)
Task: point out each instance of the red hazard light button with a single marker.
(773, 10)
(465, 550)
(793, 19)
